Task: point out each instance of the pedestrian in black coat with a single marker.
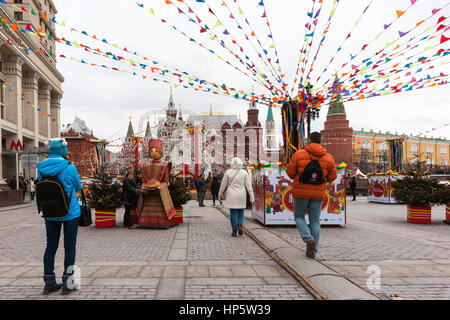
(215, 186)
(353, 188)
(202, 187)
(130, 194)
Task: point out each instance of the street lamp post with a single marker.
(308, 88)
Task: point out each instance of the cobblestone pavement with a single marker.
(195, 260)
(414, 259)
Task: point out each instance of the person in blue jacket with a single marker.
(68, 175)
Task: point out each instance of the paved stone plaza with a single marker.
(200, 260)
(414, 258)
(196, 260)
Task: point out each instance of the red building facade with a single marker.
(81, 152)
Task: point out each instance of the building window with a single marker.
(365, 145)
(18, 16)
(414, 148)
(429, 149)
(443, 150)
(382, 146)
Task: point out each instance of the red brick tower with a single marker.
(253, 124)
(337, 135)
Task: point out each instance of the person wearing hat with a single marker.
(155, 207)
(57, 165)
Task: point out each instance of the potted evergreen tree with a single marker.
(443, 197)
(104, 195)
(180, 195)
(418, 190)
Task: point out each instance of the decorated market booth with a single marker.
(380, 189)
(274, 202)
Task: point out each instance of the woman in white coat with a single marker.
(235, 184)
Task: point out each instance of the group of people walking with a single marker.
(201, 186)
(24, 185)
(310, 169)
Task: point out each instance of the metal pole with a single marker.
(308, 115)
(17, 170)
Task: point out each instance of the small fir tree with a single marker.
(442, 195)
(179, 192)
(105, 192)
(417, 188)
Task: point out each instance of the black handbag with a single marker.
(86, 216)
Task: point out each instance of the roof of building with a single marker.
(216, 120)
(79, 126)
(391, 135)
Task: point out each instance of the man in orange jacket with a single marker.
(310, 188)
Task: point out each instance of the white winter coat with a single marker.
(236, 193)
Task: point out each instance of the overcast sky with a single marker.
(106, 99)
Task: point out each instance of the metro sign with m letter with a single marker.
(16, 146)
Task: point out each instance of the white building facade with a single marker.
(30, 84)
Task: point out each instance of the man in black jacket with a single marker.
(202, 187)
(353, 187)
(130, 194)
(215, 186)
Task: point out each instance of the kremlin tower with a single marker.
(337, 136)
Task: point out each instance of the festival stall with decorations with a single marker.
(380, 186)
(274, 202)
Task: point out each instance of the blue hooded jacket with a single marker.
(69, 178)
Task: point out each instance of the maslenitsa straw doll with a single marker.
(155, 207)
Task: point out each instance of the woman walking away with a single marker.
(32, 188)
(234, 187)
(130, 195)
(56, 166)
(215, 187)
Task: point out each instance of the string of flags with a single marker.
(363, 81)
(386, 27)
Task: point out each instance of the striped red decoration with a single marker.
(419, 214)
(178, 215)
(133, 215)
(105, 218)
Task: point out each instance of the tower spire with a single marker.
(337, 105)
(130, 132)
(270, 114)
(148, 132)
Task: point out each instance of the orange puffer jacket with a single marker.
(299, 162)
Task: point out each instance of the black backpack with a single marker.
(313, 173)
(51, 197)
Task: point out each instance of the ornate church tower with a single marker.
(337, 136)
(253, 124)
(271, 136)
(171, 110)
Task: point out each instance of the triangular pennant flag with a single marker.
(400, 13)
(444, 39)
